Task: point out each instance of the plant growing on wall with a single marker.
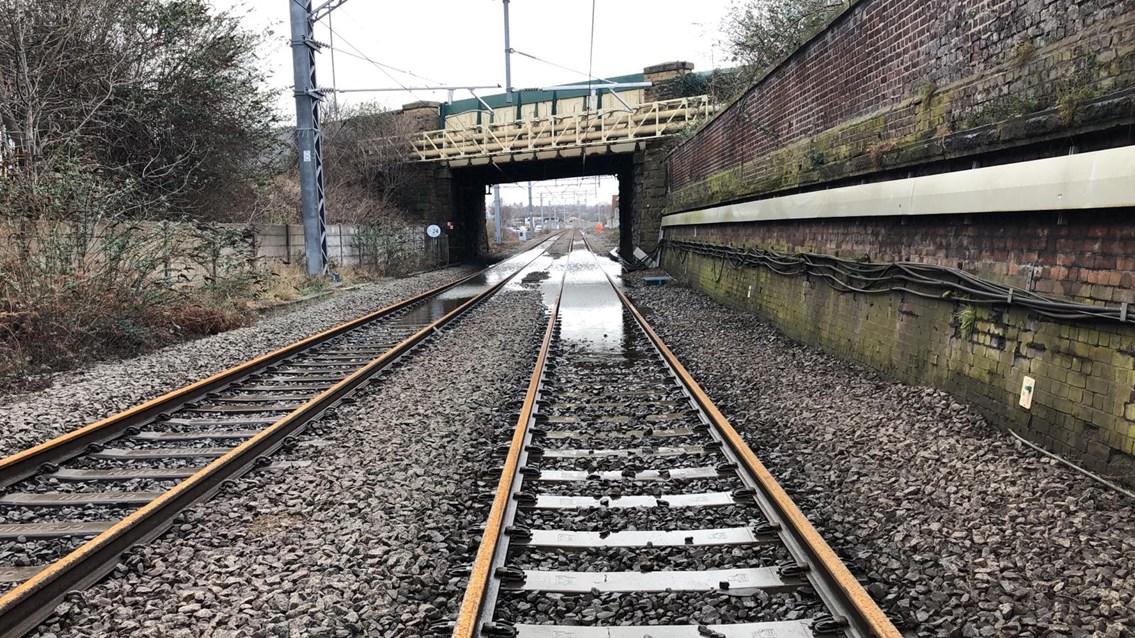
(225, 258)
(967, 321)
(761, 33)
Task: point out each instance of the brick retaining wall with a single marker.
(901, 88)
(901, 84)
(1084, 406)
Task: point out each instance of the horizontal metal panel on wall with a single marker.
(1100, 179)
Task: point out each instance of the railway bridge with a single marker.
(621, 126)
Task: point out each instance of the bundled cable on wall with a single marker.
(922, 280)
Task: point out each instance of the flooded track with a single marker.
(629, 507)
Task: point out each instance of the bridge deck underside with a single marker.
(469, 185)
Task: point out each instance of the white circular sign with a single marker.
(433, 230)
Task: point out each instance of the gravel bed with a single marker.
(42, 483)
(601, 519)
(603, 433)
(616, 438)
(578, 427)
(360, 542)
(643, 375)
(144, 444)
(625, 385)
(629, 488)
(674, 608)
(35, 551)
(633, 559)
(642, 410)
(600, 420)
(87, 395)
(660, 393)
(613, 463)
(88, 463)
(73, 513)
(959, 530)
(202, 427)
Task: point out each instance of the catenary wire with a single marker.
(561, 67)
(381, 67)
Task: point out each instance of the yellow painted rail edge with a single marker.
(878, 622)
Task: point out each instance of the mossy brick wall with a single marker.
(649, 198)
(919, 86)
(1084, 405)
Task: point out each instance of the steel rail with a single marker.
(27, 462)
(469, 613)
(835, 584)
(25, 606)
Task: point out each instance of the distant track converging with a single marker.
(625, 490)
(71, 506)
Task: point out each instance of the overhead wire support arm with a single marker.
(484, 105)
(409, 88)
(561, 67)
(322, 10)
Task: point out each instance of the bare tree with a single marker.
(369, 179)
(164, 97)
(60, 64)
(366, 155)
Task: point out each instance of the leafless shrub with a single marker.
(79, 278)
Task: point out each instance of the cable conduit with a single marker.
(921, 280)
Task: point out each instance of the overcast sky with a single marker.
(460, 42)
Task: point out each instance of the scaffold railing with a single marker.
(558, 132)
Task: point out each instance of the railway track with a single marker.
(629, 507)
(71, 506)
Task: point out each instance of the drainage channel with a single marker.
(628, 505)
(71, 506)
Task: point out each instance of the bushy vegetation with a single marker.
(91, 286)
(163, 100)
(115, 119)
(721, 85)
(127, 130)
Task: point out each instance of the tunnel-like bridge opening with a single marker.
(469, 184)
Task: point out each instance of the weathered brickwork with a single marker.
(649, 193)
(666, 80)
(914, 85)
(1086, 256)
(1084, 405)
